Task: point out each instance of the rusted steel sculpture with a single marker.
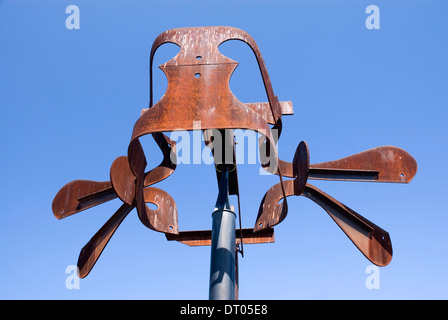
(198, 90)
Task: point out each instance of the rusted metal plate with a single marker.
(122, 179)
(199, 46)
(198, 92)
(392, 164)
(167, 220)
(380, 164)
(79, 195)
(370, 239)
(204, 237)
(301, 167)
(263, 109)
(166, 207)
(93, 249)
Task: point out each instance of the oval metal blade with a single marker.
(370, 239)
(79, 195)
(92, 250)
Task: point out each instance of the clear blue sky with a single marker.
(69, 100)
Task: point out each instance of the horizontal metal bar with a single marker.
(203, 237)
(96, 199)
(343, 174)
(109, 192)
(263, 108)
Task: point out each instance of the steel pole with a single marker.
(222, 260)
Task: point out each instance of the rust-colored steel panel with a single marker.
(370, 239)
(198, 92)
(380, 164)
(390, 165)
(92, 250)
(204, 237)
(79, 195)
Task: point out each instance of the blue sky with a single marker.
(69, 100)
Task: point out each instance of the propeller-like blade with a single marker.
(79, 195)
(381, 164)
(92, 250)
(370, 239)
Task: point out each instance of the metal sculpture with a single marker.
(198, 90)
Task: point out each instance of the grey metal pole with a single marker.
(222, 260)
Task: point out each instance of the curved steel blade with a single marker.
(166, 210)
(79, 195)
(381, 164)
(370, 239)
(164, 219)
(92, 250)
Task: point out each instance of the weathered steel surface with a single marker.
(204, 237)
(370, 239)
(381, 164)
(198, 92)
(389, 164)
(79, 195)
(92, 250)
